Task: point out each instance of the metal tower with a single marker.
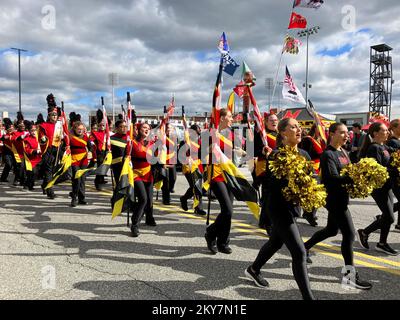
(380, 82)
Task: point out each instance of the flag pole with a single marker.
(213, 126)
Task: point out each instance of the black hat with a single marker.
(7, 123)
(39, 119)
(99, 116)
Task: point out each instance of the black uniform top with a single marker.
(381, 153)
(394, 143)
(282, 211)
(118, 147)
(332, 162)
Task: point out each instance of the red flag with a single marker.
(239, 89)
(297, 21)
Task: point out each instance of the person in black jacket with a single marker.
(283, 214)
(333, 159)
(374, 147)
(394, 142)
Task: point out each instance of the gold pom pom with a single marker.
(367, 175)
(302, 188)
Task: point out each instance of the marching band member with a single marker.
(8, 154)
(18, 145)
(141, 151)
(394, 142)
(333, 159)
(194, 151)
(374, 147)
(32, 155)
(217, 234)
(283, 214)
(261, 167)
(98, 137)
(80, 153)
(170, 167)
(118, 148)
(314, 146)
(50, 138)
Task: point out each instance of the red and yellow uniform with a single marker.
(141, 167)
(31, 147)
(226, 145)
(79, 150)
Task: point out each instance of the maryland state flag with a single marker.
(237, 182)
(124, 189)
(66, 163)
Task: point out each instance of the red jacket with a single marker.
(141, 167)
(31, 147)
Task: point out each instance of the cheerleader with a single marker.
(394, 142)
(374, 147)
(333, 160)
(140, 155)
(217, 234)
(283, 214)
(80, 146)
(33, 156)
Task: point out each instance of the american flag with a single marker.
(290, 91)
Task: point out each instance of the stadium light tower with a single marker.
(307, 33)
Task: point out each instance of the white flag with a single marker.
(290, 91)
(314, 4)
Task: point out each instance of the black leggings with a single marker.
(190, 193)
(384, 200)
(144, 202)
(221, 227)
(396, 192)
(290, 236)
(9, 163)
(338, 219)
(265, 217)
(78, 185)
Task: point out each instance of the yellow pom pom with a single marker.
(302, 188)
(367, 175)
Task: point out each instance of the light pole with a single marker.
(19, 73)
(307, 33)
(113, 81)
(269, 84)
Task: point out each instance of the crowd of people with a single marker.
(33, 151)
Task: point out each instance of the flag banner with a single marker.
(230, 65)
(66, 163)
(317, 120)
(291, 45)
(258, 118)
(101, 170)
(239, 89)
(124, 189)
(223, 46)
(231, 103)
(237, 182)
(313, 4)
(297, 21)
(290, 91)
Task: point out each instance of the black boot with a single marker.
(73, 202)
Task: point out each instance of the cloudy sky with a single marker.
(160, 47)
